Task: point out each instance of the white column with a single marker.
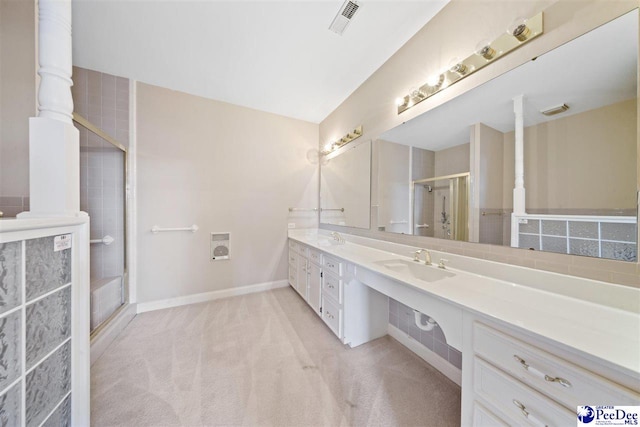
(54, 57)
(519, 191)
(54, 152)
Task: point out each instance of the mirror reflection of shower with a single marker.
(441, 207)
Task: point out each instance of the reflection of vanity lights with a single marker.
(331, 146)
(485, 50)
(519, 29)
(519, 32)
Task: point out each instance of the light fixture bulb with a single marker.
(485, 50)
(436, 80)
(417, 93)
(519, 29)
(459, 68)
(400, 102)
(328, 147)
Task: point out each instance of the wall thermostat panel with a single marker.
(220, 246)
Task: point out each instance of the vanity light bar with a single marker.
(520, 32)
(354, 134)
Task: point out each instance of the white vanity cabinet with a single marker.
(355, 313)
(305, 272)
(314, 277)
(516, 379)
(298, 268)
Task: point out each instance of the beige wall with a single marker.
(394, 178)
(431, 50)
(346, 185)
(227, 169)
(17, 93)
(585, 161)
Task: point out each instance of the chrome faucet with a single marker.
(338, 238)
(427, 256)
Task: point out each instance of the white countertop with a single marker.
(606, 332)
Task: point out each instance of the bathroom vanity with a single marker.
(535, 344)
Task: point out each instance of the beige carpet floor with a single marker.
(262, 359)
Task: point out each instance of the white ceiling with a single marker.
(275, 56)
(594, 70)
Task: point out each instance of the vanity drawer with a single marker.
(332, 286)
(315, 256)
(547, 372)
(482, 417)
(516, 400)
(293, 275)
(332, 315)
(332, 265)
(293, 258)
(293, 246)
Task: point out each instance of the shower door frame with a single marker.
(423, 181)
(80, 120)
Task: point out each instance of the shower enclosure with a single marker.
(103, 164)
(441, 207)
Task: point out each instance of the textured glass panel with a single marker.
(46, 269)
(10, 405)
(61, 417)
(10, 348)
(48, 324)
(533, 227)
(620, 232)
(585, 230)
(47, 384)
(554, 228)
(619, 251)
(529, 242)
(583, 247)
(554, 244)
(10, 275)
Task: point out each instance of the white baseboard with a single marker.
(112, 329)
(209, 296)
(450, 371)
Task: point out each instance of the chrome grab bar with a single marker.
(156, 229)
(106, 240)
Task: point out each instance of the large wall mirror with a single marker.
(450, 173)
(345, 185)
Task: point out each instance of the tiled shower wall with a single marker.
(10, 206)
(35, 333)
(402, 317)
(103, 99)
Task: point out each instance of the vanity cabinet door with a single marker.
(314, 288)
(302, 282)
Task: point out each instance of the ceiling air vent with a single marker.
(552, 111)
(344, 16)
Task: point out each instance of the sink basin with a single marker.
(327, 243)
(416, 270)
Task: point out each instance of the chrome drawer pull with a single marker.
(329, 315)
(330, 265)
(537, 373)
(330, 286)
(528, 415)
